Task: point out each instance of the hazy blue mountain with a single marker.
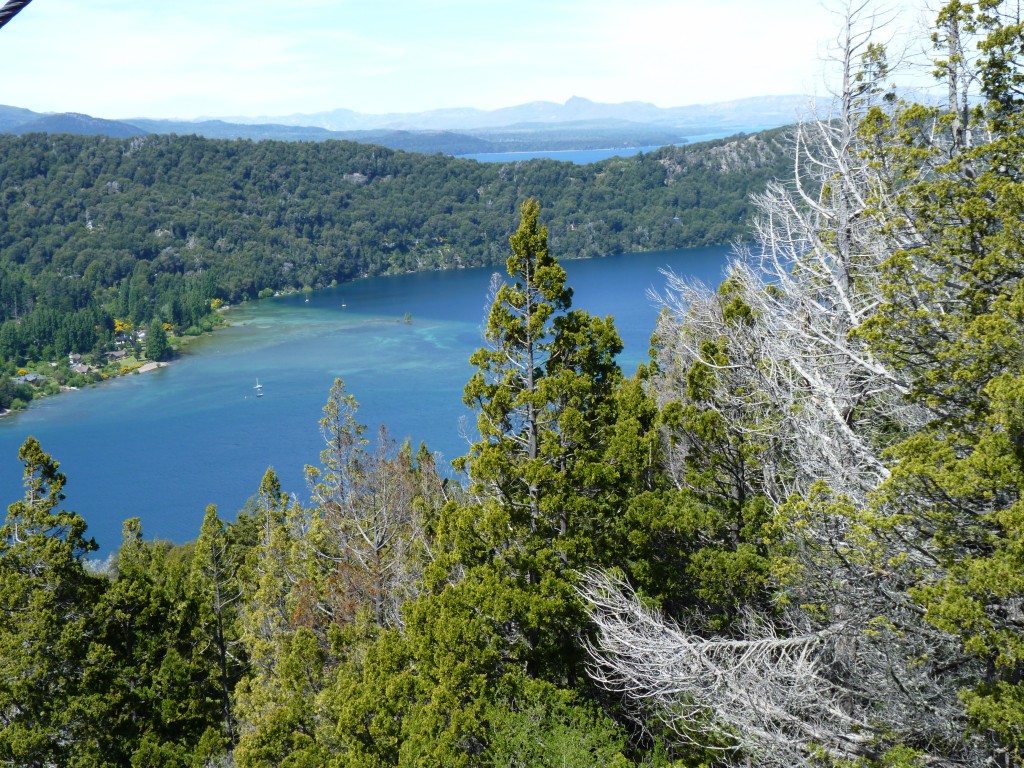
(11, 117)
(220, 129)
(526, 137)
(589, 134)
(755, 112)
(75, 123)
(578, 124)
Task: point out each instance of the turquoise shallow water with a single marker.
(163, 445)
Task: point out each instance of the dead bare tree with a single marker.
(851, 667)
(811, 278)
(787, 691)
(366, 544)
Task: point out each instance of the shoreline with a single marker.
(181, 347)
(141, 368)
(148, 367)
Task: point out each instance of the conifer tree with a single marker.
(157, 345)
(544, 394)
(266, 579)
(145, 698)
(491, 640)
(326, 589)
(953, 318)
(276, 700)
(366, 540)
(214, 589)
(781, 393)
(47, 598)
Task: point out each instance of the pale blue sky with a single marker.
(192, 58)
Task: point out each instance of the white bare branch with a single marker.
(781, 697)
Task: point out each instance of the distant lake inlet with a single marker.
(163, 445)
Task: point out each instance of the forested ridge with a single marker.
(158, 227)
(792, 538)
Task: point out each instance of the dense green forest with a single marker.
(94, 229)
(793, 538)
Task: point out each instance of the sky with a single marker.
(187, 59)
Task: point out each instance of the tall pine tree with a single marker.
(47, 598)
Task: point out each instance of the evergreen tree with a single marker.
(366, 534)
(216, 653)
(145, 705)
(557, 456)
(709, 532)
(326, 593)
(953, 318)
(47, 599)
(277, 700)
(544, 394)
(157, 345)
(461, 676)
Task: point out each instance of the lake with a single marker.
(586, 156)
(163, 445)
(575, 156)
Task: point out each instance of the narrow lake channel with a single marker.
(163, 445)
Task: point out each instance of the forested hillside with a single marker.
(792, 540)
(158, 227)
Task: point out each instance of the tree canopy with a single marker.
(95, 230)
(792, 538)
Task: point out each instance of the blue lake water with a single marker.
(577, 156)
(163, 445)
(585, 156)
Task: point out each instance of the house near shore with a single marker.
(117, 354)
(124, 338)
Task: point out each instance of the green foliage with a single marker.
(283, 722)
(491, 641)
(46, 621)
(324, 590)
(536, 724)
(708, 540)
(152, 704)
(954, 318)
(213, 582)
(157, 345)
(95, 228)
(547, 412)
(471, 659)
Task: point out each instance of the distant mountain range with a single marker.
(64, 122)
(537, 126)
(762, 111)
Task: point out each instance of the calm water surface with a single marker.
(576, 156)
(163, 445)
(586, 156)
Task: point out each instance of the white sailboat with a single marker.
(258, 388)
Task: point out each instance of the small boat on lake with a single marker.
(258, 388)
